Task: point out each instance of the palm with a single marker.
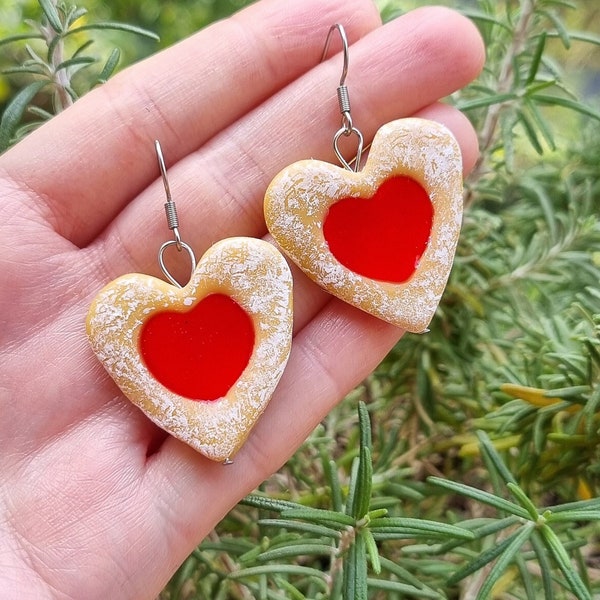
(96, 501)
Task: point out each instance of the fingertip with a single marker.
(365, 17)
(358, 17)
(467, 139)
(301, 31)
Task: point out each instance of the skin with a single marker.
(96, 502)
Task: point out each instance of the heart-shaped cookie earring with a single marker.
(382, 238)
(201, 360)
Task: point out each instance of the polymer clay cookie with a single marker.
(201, 361)
(382, 239)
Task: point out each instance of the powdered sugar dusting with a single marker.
(257, 277)
(298, 199)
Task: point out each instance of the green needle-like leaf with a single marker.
(492, 553)
(536, 58)
(20, 38)
(110, 66)
(301, 527)
(524, 501)
(481, 531)
(281, 569)
(30, 68)
(317, 515)
(574, 515)
(355, 571)
(531, 133)
(294, 551)
(372, 551)
(567, 103)
(352, 486)
(52, 15)
(504, 560)
(74, 62)
(349, 574)
(403, 589)
(485, 101)
(485, 17)
(362, 495)
(561, 557)
(14, 111)
(545, 565)
(490, 452)
(364, 475)
(115, 27)
(266, 503)
(83, 47)
(560, 28)
(581, 505)
(541, 123)
(409, 527)
(481, 496)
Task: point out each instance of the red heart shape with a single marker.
(199, 354)
(382, 237)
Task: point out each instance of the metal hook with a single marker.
(170, 208)
(344, 37)
(163, 169)
(347, 127)
(172, 222)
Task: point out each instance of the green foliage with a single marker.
(524, 524)
(473, 467)
(345, 536)
(330, 550)
(64, 53)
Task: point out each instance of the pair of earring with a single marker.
(202, 361)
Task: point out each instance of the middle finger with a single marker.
(220, 188)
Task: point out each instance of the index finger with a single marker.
(87, 163)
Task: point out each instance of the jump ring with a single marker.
(179, 244)
(342, 131)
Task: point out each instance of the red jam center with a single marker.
(382, 237)
(199, 354)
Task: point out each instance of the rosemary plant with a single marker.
(52, 65)
(513, 352)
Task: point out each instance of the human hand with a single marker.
(96, 502)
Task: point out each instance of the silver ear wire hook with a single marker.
(170, 208)
(347, 128)
(172, 222)
(342, 33)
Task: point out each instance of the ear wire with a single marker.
(172, 223)
(343, 95)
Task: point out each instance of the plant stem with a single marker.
(231, 567)
(62, 98)
(489, 130)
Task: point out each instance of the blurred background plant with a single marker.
(471, 468)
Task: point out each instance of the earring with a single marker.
(382, 238)
(202, 360)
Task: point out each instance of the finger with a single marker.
(220, 188)
(89, 161)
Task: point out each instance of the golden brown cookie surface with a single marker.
(382, 239)
(237, 306)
